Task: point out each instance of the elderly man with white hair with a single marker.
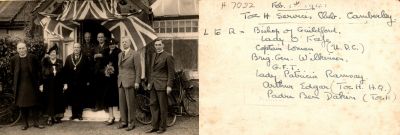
(27, 80)
(76, 74)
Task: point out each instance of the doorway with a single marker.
(94, 27)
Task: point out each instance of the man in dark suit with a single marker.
(128, 83)
(88, 50)
(99, 76)
(88, 47)
(162, 71)
(76, 71)
(27, 79)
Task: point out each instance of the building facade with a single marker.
(176, 22)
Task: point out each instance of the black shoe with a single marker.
(122, 126)
(161, 131)
(109, 122)
(38, 126)
(72, 117)
(152, 130)
(96, 109)
(80, 118)
(24, 127)
(130, 127)
(50, 122)
(57, 120)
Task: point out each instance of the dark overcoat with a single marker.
(34, 69)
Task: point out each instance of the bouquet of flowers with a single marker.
(109, 70)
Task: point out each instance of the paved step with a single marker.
(89, 115)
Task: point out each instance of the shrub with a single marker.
(8, 50)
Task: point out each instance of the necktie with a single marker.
(157, 54)
(123, 54)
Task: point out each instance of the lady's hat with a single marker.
(54, 47)
(113, 42)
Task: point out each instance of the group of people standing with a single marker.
(110, 74)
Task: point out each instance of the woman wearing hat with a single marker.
(111, 73)
(53, 86)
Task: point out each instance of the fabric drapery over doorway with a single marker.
(105, 11)
(63, 24)
(137, 31)
(61, 29)
(89, 10)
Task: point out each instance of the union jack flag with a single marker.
(57, 28)
(94, 10)
(138, 32)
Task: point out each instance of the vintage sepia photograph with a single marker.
(99, 67)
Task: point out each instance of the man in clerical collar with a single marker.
(76, 72)
(27, 80)
(162, 72)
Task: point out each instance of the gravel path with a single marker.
(184, 125)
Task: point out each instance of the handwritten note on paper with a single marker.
(296, 54)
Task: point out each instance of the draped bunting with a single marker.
(57, 28)
(138, 32)
(94, 10)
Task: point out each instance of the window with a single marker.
(195, 25)
(188, 25)
(180, 38)
(168, 26)
(176, 26)
(162, 27)
(185, 52)
(181, 29)
(156, 26)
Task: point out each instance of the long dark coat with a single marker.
(100, 78)
(34, 70)
(111, 88)
(76, 79)
(53, 86)
(88, 50)
(100, 62)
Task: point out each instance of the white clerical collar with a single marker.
(23, 56)
(160, 51)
